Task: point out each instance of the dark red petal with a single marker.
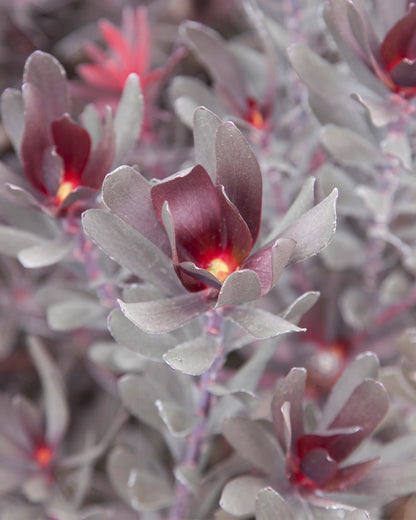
(404, 77)
(365, 408)
(318, 466)
(269, 263)
(330, 443)
(101, 158)
(349, 476)
(399, 42)
(196, 212)
(236, 235)
(239, 172)
(73, 144)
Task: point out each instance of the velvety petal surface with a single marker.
(269, 263)
(101, 157)
(399, 42)
(196, 213)
(73, 144)
(239, 172)
(366, 408)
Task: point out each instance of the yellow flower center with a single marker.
(64, 190)
(219, 268)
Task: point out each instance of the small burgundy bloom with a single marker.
(398, 54)
(391, 60)
(305, 463)
(315, 461)
(58, 160)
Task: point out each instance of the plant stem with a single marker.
(196, 439)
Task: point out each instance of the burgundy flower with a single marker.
(202, 225)
(306, 464)
(315, 461)
(391, 60)
(59, 162)
(210, 238)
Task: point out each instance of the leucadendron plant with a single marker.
(207, 260)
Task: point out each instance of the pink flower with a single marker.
(128, 51)
(391, 60)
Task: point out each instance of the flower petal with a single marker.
(196, 213)
(239, 172)
(238, 240)
(365, 408)
(398, 42)
(365, 366)
(101, 158)
(350, 476)
(269, 263)
(73, 144)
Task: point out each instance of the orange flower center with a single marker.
(43, 455)
(64, 190)
(219, 268)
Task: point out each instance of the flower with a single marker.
(307, 466)
(31, 438)
(59, 162)
(202, 225)
(391, 60)
(252, 103)
(128, 51)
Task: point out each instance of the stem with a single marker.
(196, 439)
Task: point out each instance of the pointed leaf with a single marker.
(256, 444)
(259, 323)
(314, 229)
(128, 118)
(130, 336)
(48, 253)
(193, 357)
(56, 409)
(165, 315)
(130, 249)
(205, 125)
